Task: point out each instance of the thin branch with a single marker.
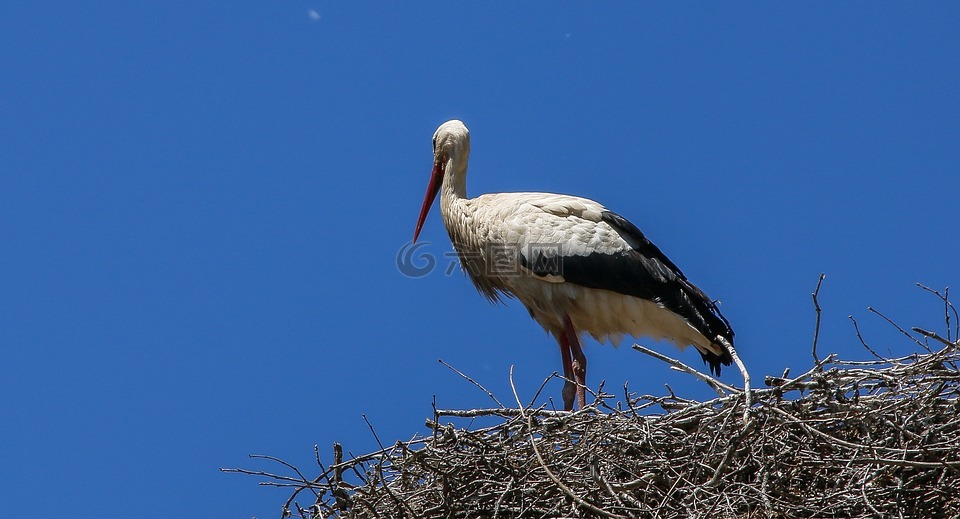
(721, 388)
(540, 389)
(506, 412)
(470, 380)
(934, 336)
(947, 308)
(372, 431)
(747, 393)
(856, 327)
(897, 326)
(816, 306)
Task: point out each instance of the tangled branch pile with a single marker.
(845, 439)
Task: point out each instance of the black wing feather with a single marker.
(645, 272)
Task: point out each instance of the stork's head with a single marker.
(451, 146)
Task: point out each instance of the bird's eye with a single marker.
(434, 144)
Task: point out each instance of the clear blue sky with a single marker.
(202, 204)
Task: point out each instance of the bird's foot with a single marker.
(579, 377)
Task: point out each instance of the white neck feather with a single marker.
(453, 190)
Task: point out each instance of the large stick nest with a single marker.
(845, 439)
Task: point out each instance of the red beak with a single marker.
(436, 179)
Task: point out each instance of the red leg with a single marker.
(579, 364)
(569, 386)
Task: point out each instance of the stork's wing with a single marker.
(610, 253)
(717, 323)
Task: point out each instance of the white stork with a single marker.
(575, 265)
